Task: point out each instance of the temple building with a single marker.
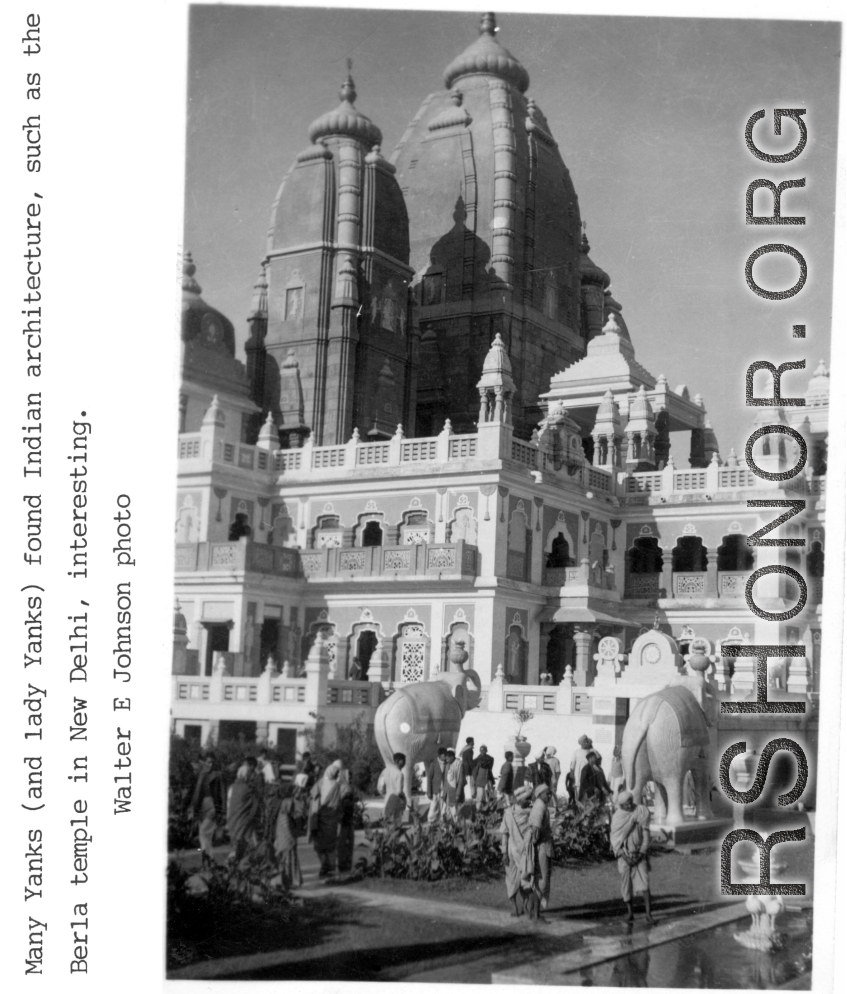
(392, 483)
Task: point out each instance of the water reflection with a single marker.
(707, 960)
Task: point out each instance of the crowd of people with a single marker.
(320, 804)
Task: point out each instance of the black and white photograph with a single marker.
(475, 621)
(428, 495)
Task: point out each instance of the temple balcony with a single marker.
(242, 556)
(392, 562)
(583, 575)
(724, 585)
(714, 483)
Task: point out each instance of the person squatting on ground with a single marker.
(395, 797)
(324, 810)
(482, 775)
(542, 837)
(519, 855)
(630, 840)
(245, 808)
(436, 787)
(207, 804)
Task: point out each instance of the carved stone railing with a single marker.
(731, 583)
(395, 561)
(236, 557)
(690, 584)
(644, 585)
(695, 484)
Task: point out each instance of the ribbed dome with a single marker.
(346, 120)
(200, 321)
(487, 55)
(589, 271)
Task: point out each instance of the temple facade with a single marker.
(392, 483)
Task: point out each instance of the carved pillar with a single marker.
(711, 572)
(582, 637)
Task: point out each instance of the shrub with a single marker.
(581, 833)
(415, 850)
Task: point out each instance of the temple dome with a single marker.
(345, 120)
(589, 271)
(487, 55)
(817, 393)
(202, 323)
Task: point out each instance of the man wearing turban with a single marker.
(630, 839)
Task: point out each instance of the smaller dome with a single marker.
(201, 323)
(641, 416)
(497, 360)
(607, 411)
(487, 55)
(589, 272)
(817, 393)
(346, 120)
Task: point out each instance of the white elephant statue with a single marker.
(420, 718)
(666, 736)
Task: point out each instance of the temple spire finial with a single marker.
(348, 87)
(488, 24)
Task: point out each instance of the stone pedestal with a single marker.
(582, 637)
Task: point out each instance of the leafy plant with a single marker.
(522, 716)
(415, 850)
(581, 833)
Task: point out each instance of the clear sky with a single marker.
(649, 114)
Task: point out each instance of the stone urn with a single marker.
(457, 656)
(519, 745)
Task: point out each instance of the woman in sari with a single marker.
(346, 832)
(245, 808)
(289, 825)
(519, 853)
(323, 817)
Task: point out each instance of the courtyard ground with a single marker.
(458, 931)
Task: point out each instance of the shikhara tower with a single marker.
(442, 435)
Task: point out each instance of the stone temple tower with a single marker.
(495, 237)
(334, 349)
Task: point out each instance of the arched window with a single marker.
(735, 554)
(366, 645)
(517, 652)
(463, 526)
(416, 529)
(239, 528)
(328, 534)
(372, 534)
(815, 559)
(689, 556)
(560, 553)
(645, 556)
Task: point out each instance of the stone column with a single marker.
(711, 572)
(583, 636)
